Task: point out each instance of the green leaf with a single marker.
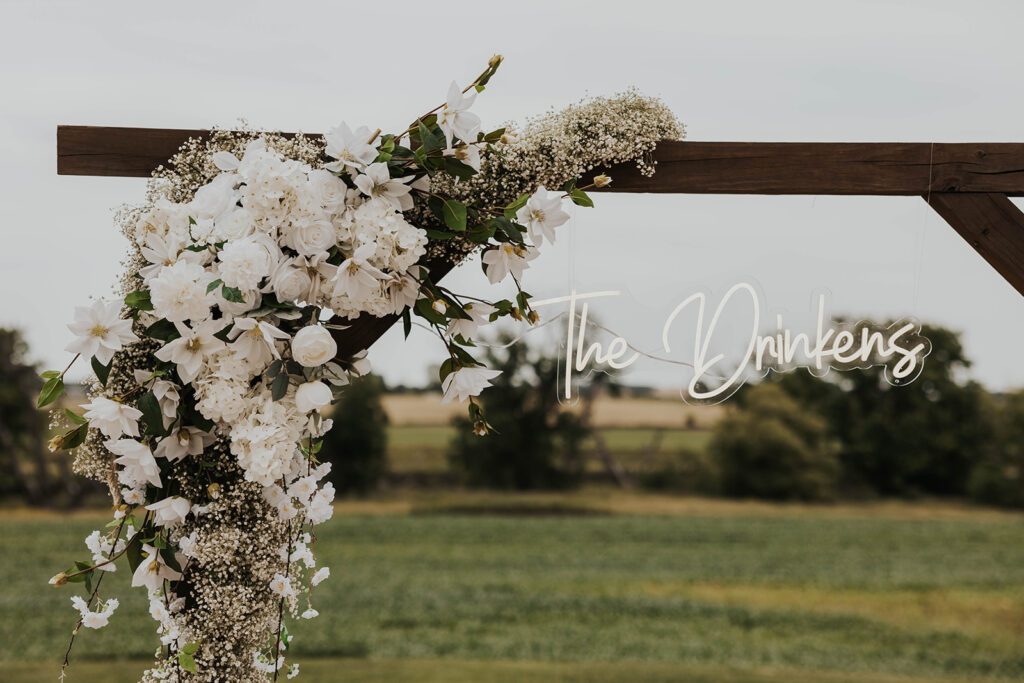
(426, 310)
(75, 418)
(458, 169)
(406, 322)
(51, 391)
(447, 368)
(581, 198)
(233, 294)
(151, 414)
(187, 662)
(428, 141)
(50, 374)
(190, 649)
(439, 235)
(102, 371)
(134, 552)
(454, 214)
(274, 368)
(139, 300)
(164, 330)
(494, 135)
(507, 227)
(76, 437)
(214, 285)
(520, 202)
(279, 387)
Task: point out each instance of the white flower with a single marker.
(137, 461)
(133, 496)
(312, 237)
(190, 351)
(225, 161)
(479, 314)
(235, 224)
(467, 154)
(321, 575)
(182, 443)
(102, 548)
(356, 278)
(178, 292)
(164, 251)
(309, 614)
(312, 396)
(281, 585)
(377, 182)
(112, 418)
(507, 258)
(215, 198)
(245, 262)
(292, 280)
(466, 382)
(403, 292)
(95, 619)
(541, 215)
(255, 340)
(320, 509)
(166, 394)
(100, 331)
(152, 571)
(313, 346)
(170, 511)
(351, 149)
(455, 120)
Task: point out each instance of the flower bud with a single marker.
(494, 61)
(59, 579)
(602, 180)
(533, 317)
(480, 428)
(440, 306)
(516, 313)
(56, 443)
(213, 490)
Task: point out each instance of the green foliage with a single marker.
(684, 471)
(774, 448)
(535, 444)
(356, 447)
(920, 438)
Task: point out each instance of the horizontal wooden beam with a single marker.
(838, 168)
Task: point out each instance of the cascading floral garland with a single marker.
(205, 416)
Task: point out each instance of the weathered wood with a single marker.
(990, 223)
(846, 168)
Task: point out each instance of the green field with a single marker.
(423, 448)
(711, 593)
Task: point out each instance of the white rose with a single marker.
(291, 280)
(312, 396)
(328, 188)
(235, 225)
(313, 237)
(215, 198)
(313, 346)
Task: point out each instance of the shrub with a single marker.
(772, 448)
(998, 478)
(357, 445)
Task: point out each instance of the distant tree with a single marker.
(998, 476)
(772, 447)
(357, 445)
(537, 445)
(921, 438)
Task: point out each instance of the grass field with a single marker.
(614, 588)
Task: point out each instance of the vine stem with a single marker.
(95, 592)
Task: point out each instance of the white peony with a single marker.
(178, 292)
(312, 396)
(245, 262)
(313, 346)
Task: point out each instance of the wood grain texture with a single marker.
(990, 223)
(842, 168)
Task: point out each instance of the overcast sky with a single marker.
(780, 71)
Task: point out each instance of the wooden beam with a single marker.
(990, 223)
(844, 168)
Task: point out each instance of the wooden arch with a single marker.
(968, 184)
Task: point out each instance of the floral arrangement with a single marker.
(213, 374)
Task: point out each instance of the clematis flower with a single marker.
(507, 258)
(255, 340)
(182, 443)
(137, 462)
(163, 251)
(455, 120)
(190, 351)
(97, 619)
(170, 511)
(100, 331)
(153, 571)
(356, 277)
(467, 154)
(166, 394)
(466, 382)
(377, 182)
(282, 585)
(479, 313)
(112, 418)
(351, 149)
(541, 215)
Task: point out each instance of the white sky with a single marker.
(796, 71)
